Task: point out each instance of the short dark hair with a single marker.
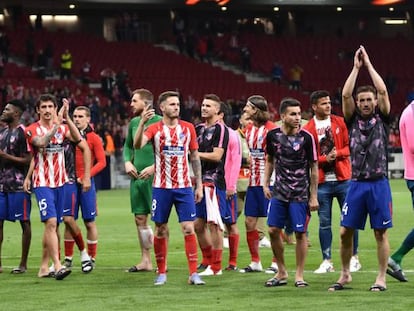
(45, 98)
(84, 108)
(164, 95)
(145, 95)
(213, 97)
(316, 95)
(288, 102)
(226, 110)
(366, 88)
(18, 104)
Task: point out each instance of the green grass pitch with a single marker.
(109, 287)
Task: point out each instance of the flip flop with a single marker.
(62, 273)
(18, 270)
(273, 282)
(337, 286)
(377, 288)
(301, 284)
(134, 269)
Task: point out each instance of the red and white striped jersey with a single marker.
(256, 140)
(49, 170)
(171, 150)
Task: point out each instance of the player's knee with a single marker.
(147, 237)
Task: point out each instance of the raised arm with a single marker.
(348, 103)
(382, 95)
(140, 140)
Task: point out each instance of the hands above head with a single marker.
(361, 58)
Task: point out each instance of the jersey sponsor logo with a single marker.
(257, 153)
(53, 149)
(173, 150)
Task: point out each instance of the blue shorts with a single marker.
(50, 202)
(201, 210)
(230, 210)
(163, 200)
(15, 206)
(70, 191)
(365, 198)
(75, 198)
(256, 203)
(280, 213)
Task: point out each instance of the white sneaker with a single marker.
(325, 267)
(253, 267)
(272, 269)
(264, 242)
(354, 265)
(225, 242)
(209, 272)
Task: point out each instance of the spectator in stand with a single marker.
(41, 64)
(86, 72)
(107, 81)
(49, 59)
(296, 73)
(245, 55)
(277, 73)
(30, 51)
(66, 65)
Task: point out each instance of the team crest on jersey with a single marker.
(29, 134)
(260, 138)
(58, 136)
(182, 136)
(296, 146)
